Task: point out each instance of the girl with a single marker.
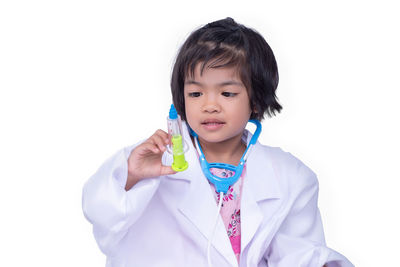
(145, 214)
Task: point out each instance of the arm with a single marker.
(109, 207)
(115, 197)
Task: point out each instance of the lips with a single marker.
(212, 121)
(212, 124)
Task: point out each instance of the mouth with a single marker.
(212, 124)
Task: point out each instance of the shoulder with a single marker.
(286, 167)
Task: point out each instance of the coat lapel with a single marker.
(260, 184)
(199, 206)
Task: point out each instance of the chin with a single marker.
(215, 138)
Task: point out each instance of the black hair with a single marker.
(225, 43)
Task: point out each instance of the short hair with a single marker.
(225, 43)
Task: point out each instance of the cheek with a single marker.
(188, 111)
(245, 114)
(245, 109)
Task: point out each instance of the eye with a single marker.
(229, 94)
(195, 94)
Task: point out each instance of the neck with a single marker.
(229, 151)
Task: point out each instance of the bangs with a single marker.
(212, 55)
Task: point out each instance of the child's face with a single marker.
(217, 104)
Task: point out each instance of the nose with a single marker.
(211, 104)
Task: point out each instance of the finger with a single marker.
(159, 141)
(169, 137)
(159, 134)
(148, 147)
(164, 135)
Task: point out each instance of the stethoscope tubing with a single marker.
(223, 184)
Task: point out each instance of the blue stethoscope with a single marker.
(223, 184)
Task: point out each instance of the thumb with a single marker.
(165, 170)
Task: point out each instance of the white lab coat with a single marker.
(166, 221)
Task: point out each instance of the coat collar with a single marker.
(258, 162)
(260, 183)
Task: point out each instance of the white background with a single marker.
(81, 79)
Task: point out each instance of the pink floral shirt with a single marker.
(230, 210)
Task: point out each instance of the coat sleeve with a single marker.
(108, 207)
(300, 240)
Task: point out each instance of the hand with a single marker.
(145, 160)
